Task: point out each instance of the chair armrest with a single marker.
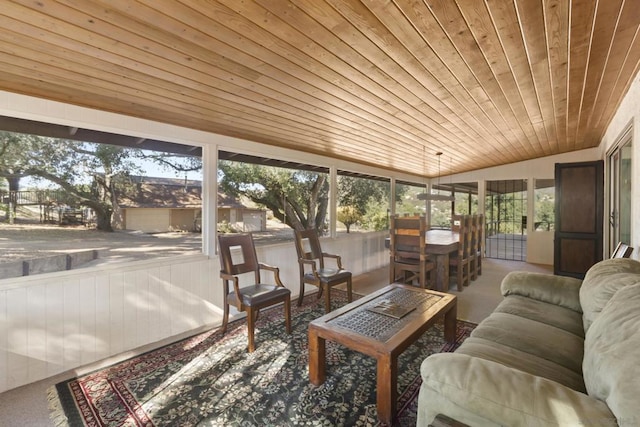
(311, 262)
(274, 270)
(236, 284)
(338, 258)
(474, 390)
(558, 290)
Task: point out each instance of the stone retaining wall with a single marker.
(46, 264)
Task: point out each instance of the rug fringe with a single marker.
(56, 413)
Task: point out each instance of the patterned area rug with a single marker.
(210, 380)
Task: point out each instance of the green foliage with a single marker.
(376, 217)
(407, 200)
(88, 173)
(297, 198)
(544, 209)
(225, 227)
(349, 215)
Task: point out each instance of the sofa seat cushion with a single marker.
(612, 356)
(537, 338)
(480, 392)
(602, 281)
(526, 362)
(543, 312)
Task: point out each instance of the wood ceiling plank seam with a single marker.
(621, 49)
(605, 69)
(412, 19)
(336, 43)
(582, 25)
(446, 14)
(401, 26)
(616, 96)
(557, 55)
(513, 110)
(620, 90)
(167, 79)
(610, 65)
(395, 131)
(345, 107)
(186, 108)
(450, 79)
(484, 32)
(449, 35)
(356, 18)
(346, 148)
(42, 55)
(452, 12)
(22, 84)
(519, 79)
(508, 81)
(360, 43)
(607, 14)
(415, 124)
(351, 58)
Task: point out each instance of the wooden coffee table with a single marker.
(381, 336)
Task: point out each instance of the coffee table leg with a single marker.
(386, 389)
(450, 324)
(316, 358)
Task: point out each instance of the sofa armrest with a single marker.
(558, 290)
(478, 391)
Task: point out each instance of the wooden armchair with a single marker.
(407, 249)
(315, 271)
(249, 298)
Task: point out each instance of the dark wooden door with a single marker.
(579, 217)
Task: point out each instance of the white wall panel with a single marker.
(55, 322)
(102, 308)
(88, 314)
(55, 326)
(72, 344)
(36, 335)
(116, 313)
(17, 338)
(4, 328)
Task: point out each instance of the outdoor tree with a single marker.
(297, 198)
(14, 164)
(89, 174)
(348, 215)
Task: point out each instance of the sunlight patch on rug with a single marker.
(211, 380)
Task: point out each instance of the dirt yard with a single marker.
(31, 240)
(25, 241)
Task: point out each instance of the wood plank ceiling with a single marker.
(380, 82)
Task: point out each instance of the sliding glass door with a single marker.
(620, 176)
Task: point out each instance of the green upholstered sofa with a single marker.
(557, 351)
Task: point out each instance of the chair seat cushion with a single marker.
(261, 293)
(329, 275)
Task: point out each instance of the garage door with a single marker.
(148, 220)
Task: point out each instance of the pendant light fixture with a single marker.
(434, 196)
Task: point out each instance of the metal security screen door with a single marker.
(506, 219)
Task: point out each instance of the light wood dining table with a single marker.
(440, 244)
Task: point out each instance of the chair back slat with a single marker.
(308, 246)
(244, 261)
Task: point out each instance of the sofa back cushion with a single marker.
(611, 354)
(602, 281)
